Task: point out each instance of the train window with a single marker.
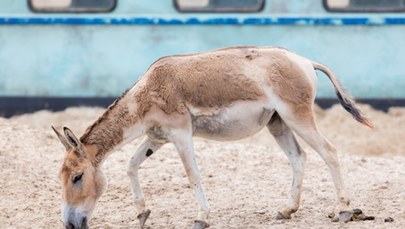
(364, 5)
(219, 6)
(71, 6)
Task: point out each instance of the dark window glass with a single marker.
(365, 5)
(212, 6)
(71, 6)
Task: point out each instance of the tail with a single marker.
(344, 98)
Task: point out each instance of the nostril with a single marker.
(70, 226)
(84, 223)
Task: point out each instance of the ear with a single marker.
(62, 139)
(74, 142)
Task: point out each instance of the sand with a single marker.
(246, 182)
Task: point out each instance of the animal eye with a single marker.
(77, 178)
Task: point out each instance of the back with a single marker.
(204, 80)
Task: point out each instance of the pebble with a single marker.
(388, 220)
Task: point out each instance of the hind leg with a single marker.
(286, 140)
(303, 123)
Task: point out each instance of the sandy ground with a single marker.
(246, 182)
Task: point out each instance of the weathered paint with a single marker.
(202, 21)
(74, 55)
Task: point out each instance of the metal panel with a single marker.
(90, 55)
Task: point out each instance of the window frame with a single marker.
(73, 10)
(257, 9)
(373, 10)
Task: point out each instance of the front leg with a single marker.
(145, 150)
(182, 140)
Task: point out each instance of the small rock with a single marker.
(357, 211)
(331, 215)
(345, 216)
(388, 220)
(260, 212)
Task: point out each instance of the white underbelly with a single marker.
(237, 121)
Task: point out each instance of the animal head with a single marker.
(82, 181)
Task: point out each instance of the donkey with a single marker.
(225, 94)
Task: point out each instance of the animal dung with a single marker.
(357, 211)
(369, 218)
(358, 215)
(353, 215)
(388, 220)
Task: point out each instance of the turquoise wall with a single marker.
(75, 55)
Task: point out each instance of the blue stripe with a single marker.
(202, 21)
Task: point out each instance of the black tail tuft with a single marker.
(349, 106)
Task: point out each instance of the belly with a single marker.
(238, 121)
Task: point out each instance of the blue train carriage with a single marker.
(55, 54)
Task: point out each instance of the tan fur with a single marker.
(107, 131)
(92, 186)
(288, 82)
(230, 93)
(208, 80)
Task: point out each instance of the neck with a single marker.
(109, 131)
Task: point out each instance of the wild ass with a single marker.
(225, 94)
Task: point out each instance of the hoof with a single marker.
(280, 216)
(345, 216)
(198, 224)
(143, 217)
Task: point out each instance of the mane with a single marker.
(89, 129)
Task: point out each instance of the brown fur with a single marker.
(175, 86)
(74, 165)
(209, 80)
(288, 82)
(107, 131)
(344, 98)
(242, 48)
(205, 80)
